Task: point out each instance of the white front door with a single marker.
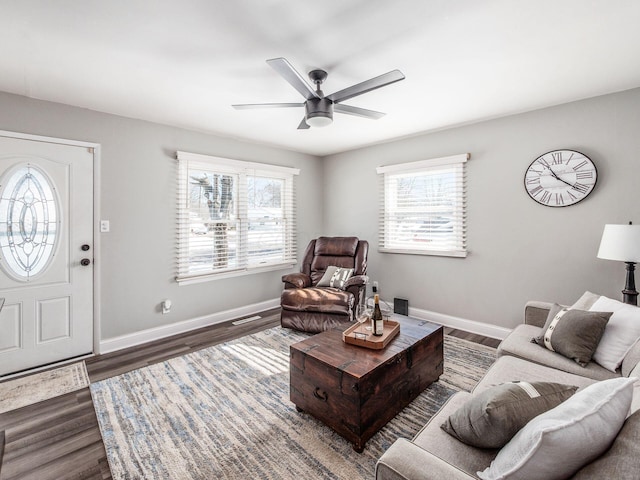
(46, 252)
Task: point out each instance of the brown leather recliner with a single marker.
(309, 308)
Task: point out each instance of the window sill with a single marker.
(437, 253)
(209, 277)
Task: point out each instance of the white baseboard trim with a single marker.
(472, 326)
(149, 335)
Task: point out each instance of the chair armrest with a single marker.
(296, 280)
(356, 280)
(535, 313)
(405, 460)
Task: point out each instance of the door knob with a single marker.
(84, 262)
(85, 247)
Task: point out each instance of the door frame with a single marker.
(96, 225)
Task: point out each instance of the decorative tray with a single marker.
(358, 335)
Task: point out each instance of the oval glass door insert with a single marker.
(28, 222)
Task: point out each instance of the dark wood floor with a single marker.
(60, 438)
(122, 361)
(472, 337)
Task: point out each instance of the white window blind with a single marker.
(423, 207)
(234, 217)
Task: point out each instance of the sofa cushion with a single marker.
(622, 459)
(623, 330)
(518, 344)
(335, 277)
(491, 418)
(574, 334)
(559, 442)
(509, 369)
(449, 449)
(404, 460)
(325, 300)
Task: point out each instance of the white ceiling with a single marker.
(184, 62)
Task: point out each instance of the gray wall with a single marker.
(519, 250)
(138, 197)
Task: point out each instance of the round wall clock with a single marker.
(560, 178)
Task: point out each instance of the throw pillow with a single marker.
(585, 301)
(623, 330)
(491, 418)
(573, 333)
(621, 460)
(559, 442)
(335, 277)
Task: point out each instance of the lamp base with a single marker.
(630, 294)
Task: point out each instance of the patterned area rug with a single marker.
(224, 412)
(42, 386)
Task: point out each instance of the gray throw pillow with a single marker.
(558, 443)
(573, 333)
(335, 277)
(621, 460)
(491, 418)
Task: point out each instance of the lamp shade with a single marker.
(620, 242)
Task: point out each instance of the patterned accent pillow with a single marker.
(335, 277)
(492, 417)
(574, 334)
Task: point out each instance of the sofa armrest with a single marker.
(535, 313)
(405, 460)
(296, 280)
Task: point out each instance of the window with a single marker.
(234, 217)
(423, 207)
(28, 222)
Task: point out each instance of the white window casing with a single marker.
(423, 207)
(234, 217)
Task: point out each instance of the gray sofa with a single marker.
(434, 454)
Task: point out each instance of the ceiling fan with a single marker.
(318, 107)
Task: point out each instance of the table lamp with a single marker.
(622, 243)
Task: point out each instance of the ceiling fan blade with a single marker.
(247, 106)
(303, 125)
(366, 86)
(290, 74)
(357, 111)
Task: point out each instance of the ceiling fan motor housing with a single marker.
(321, 109)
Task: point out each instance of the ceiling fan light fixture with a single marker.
(319, 112)
(320, 119)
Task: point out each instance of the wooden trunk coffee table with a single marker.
(356, 390)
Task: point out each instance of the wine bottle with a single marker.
(376, 319)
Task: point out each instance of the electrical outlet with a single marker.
(166, 306)
(104, 226)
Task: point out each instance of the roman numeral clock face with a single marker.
(560, 178)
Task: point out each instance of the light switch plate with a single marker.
(104, 226)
